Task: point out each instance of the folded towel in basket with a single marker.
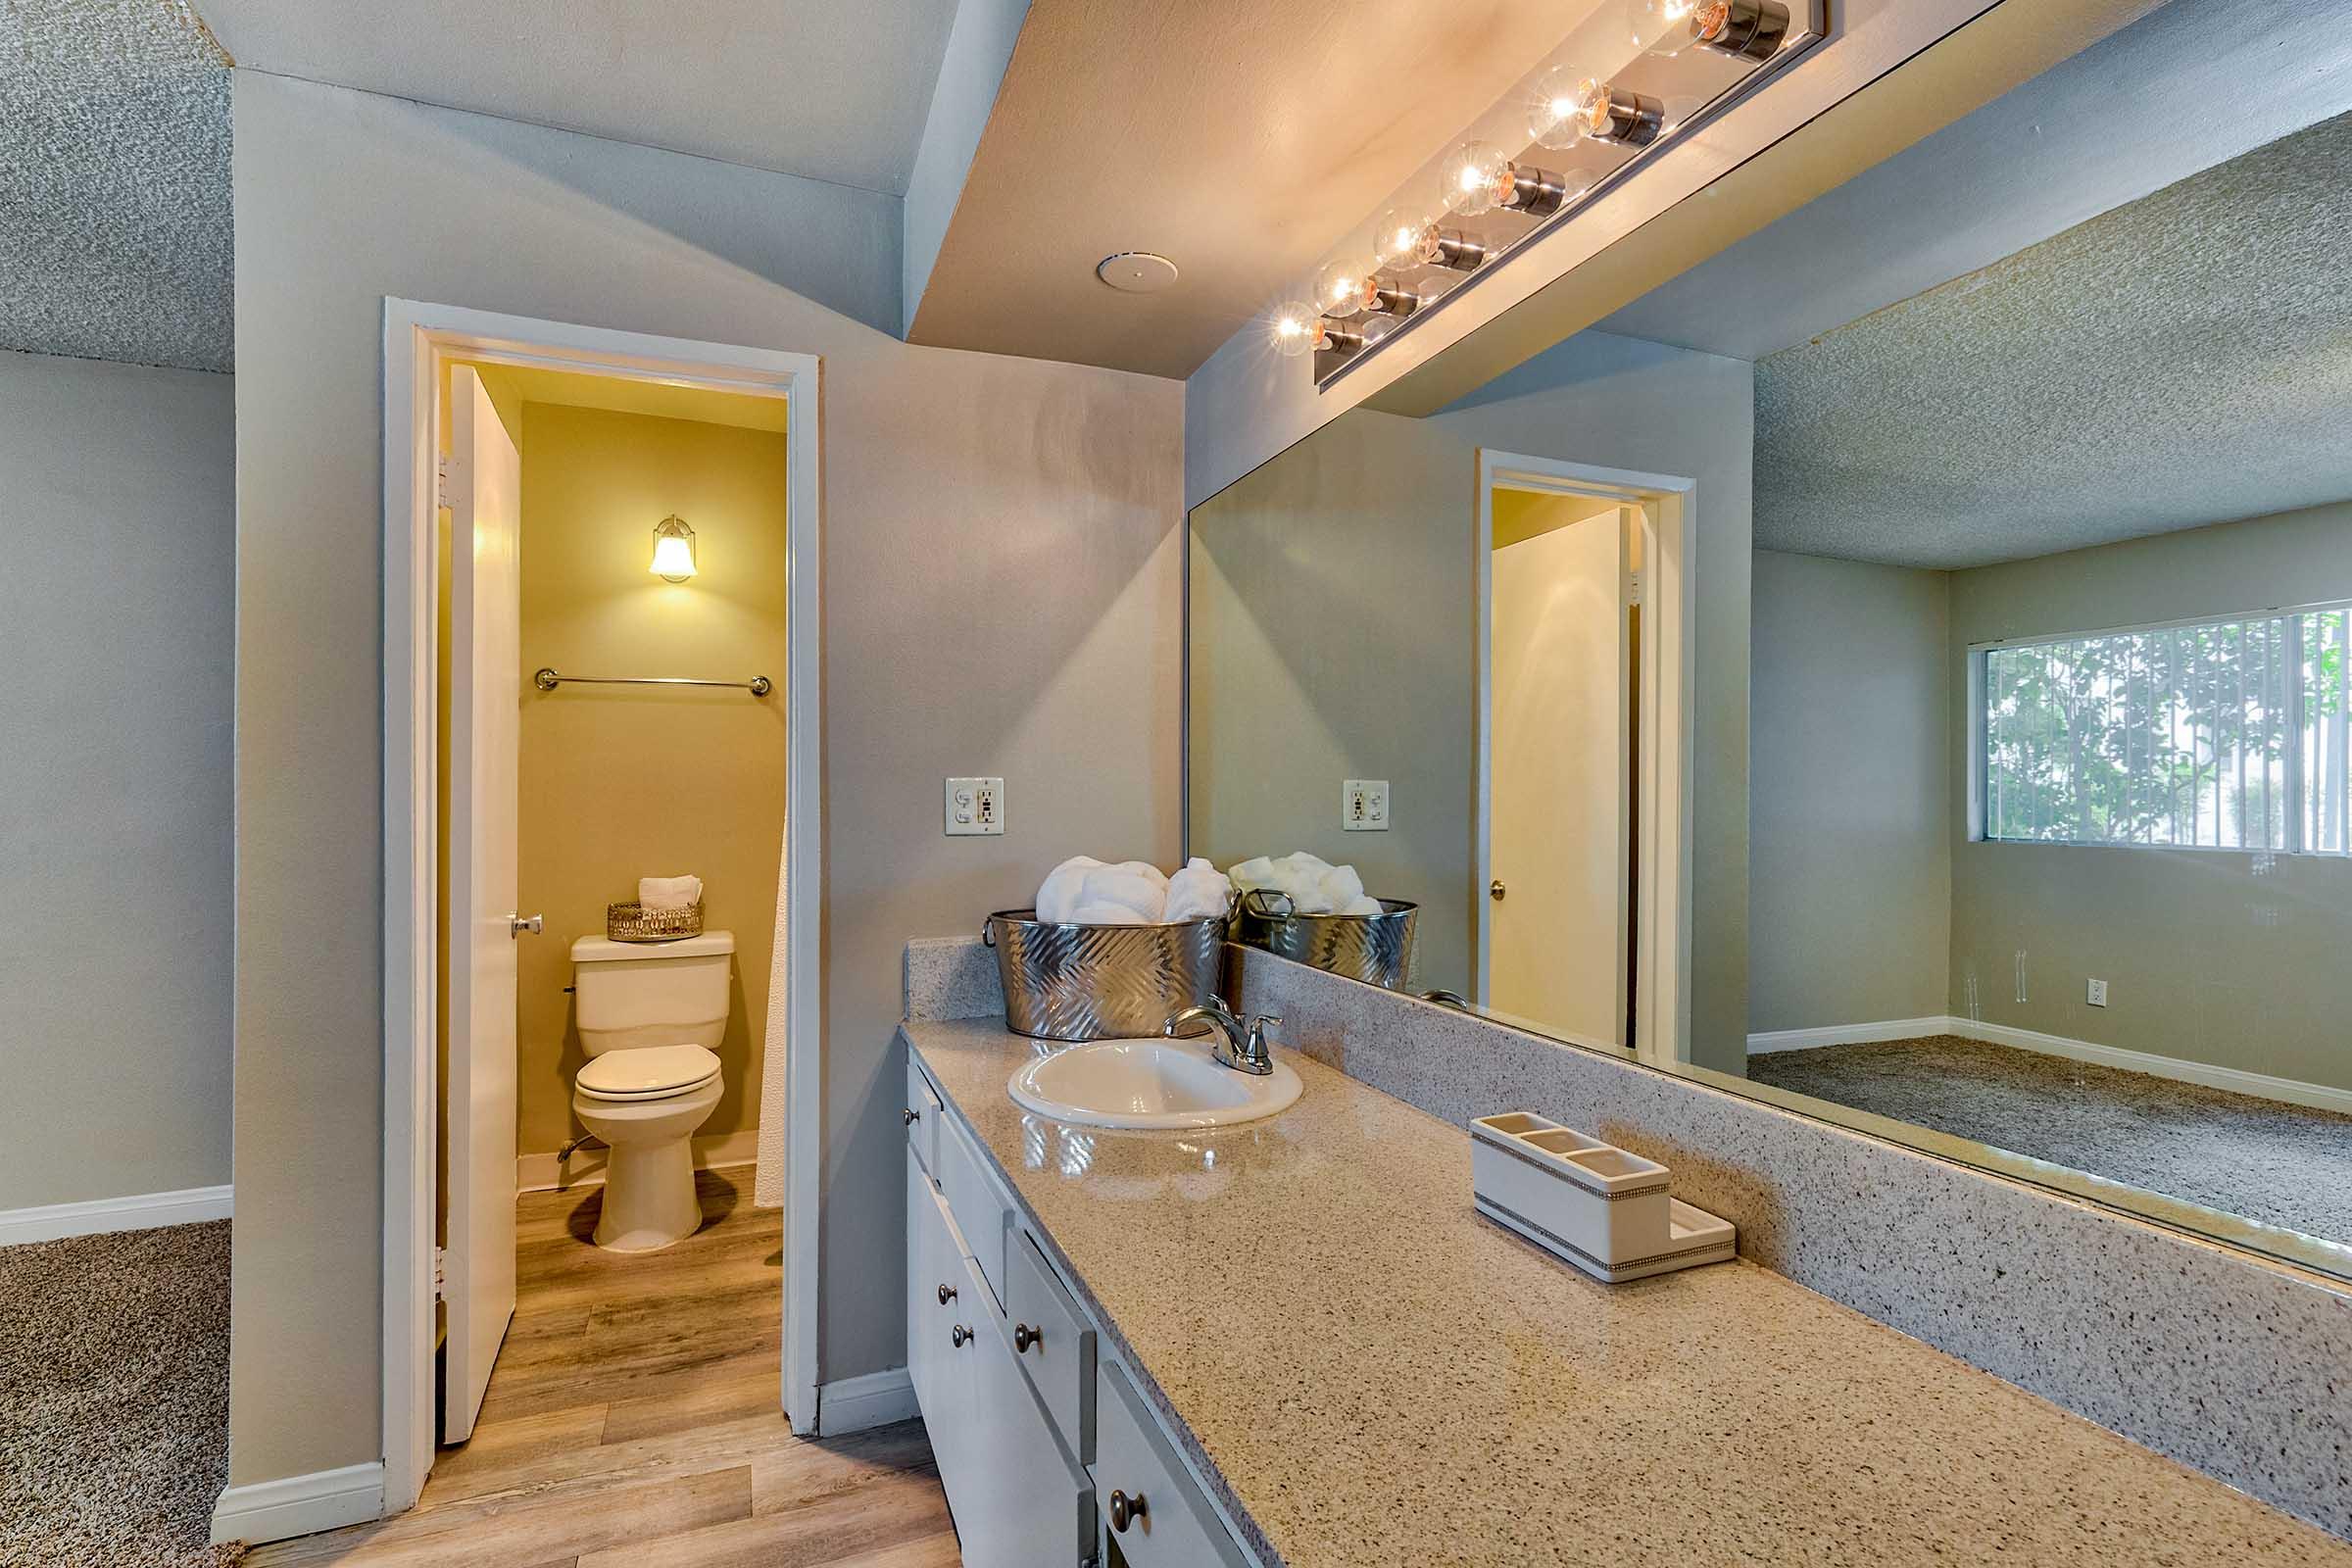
(670, 892)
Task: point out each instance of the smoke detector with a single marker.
(1135, 271)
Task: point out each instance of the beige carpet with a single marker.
(2261, 1158)
(114, 1423)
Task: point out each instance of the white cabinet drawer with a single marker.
(923, 1116)
(978, 1206)
(1054, 1343)
(935, 1273)
(1139, 1483)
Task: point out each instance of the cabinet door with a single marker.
(1166, 1523)
(1026, 1507)
(935, 1365)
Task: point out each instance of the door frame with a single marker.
(419, 338)
(1668, 504)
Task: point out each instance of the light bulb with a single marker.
(673, 550)
(1745, 30)
(1339, 286)
(1406, 238)
(1553, 114)
(1658, 25)
(1473, 178)
(1294, 329)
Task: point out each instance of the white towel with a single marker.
(1199, 892)
(1136, 886)
(1058, 895)
(1105, 915)
(1312, 884)
(1366, 906)
(670, 892)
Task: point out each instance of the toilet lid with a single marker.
(646, 1072)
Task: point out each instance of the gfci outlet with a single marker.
(1364, 804)
(2097, 996)
(975, 806)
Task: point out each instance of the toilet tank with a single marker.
(629, 993)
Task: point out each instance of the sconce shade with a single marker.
(673, 550)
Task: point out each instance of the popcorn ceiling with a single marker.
(2181, 359)
(114, 208)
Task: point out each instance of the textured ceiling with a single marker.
(113, 183)
(820, 88)
(2181, 359)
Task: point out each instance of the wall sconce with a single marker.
(673, 550)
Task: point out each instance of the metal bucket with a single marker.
(1102, 982)
(1376, 949)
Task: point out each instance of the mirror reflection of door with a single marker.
(1559, 797)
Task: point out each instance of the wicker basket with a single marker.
(634, 922)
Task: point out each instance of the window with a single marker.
(2227, 734)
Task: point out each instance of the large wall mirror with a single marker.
(1897, 666)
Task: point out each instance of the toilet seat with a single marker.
(646, 1072)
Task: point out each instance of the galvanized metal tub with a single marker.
(1376, 949)
(1102, 982)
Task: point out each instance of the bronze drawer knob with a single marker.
(907, 1118)
(1023, 1336)
(960, 1335)
(946, 1294)
(1125, 1510)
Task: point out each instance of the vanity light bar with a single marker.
(1419, 256)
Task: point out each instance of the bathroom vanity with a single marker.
(1292, 1342)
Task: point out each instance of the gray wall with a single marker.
(1399, 497)
(1001, 577)
(1851, 793)
(1333, 638)
(2210, 955)
(117, 482)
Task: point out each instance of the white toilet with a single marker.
(650, 1015)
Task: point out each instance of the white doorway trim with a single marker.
(418, 339)
(1668, 504)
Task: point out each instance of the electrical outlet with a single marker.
(975, 806)
(1364, 804)
(2097, 994)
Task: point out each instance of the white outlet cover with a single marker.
(2097, 992)
(1364, 804)
(974, 806)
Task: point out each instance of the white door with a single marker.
(485, 691)
(1557, 916)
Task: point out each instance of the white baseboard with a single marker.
(301, 1505)
(138, 1211)
(1848, 1034)
(876, 1399)
(541, 1173)
(2236, 1080)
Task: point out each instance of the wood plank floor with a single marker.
(632, 1422)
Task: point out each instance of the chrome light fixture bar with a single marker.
(1690, 60)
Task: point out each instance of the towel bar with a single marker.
(547, 680)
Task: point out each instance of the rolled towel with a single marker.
(1057, 898)
(670, 892)
(1105, 915)
(1338, 888)
(1199, 892)
(1135, 886)
(1250, 874)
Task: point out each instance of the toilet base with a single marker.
(650, 1201)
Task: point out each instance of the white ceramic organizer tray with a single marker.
(1605, 1211)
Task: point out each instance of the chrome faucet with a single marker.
(1238, 1047)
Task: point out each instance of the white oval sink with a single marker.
(1149, 1083)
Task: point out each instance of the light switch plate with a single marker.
(1364, 804)
(975, 806)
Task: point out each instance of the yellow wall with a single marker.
(620, 782)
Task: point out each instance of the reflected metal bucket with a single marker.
(1376, 949)
(1102, 982)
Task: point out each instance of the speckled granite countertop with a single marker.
(1374, 1375)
